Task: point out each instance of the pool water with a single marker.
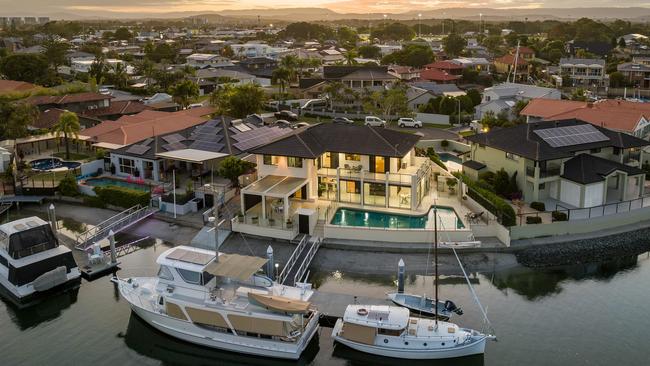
(52, 163)
(445, 157)
(106, 182)
(353, 217)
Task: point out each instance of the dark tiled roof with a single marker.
(522, 140)
(48, 118)
(311, 142)
(475, 165)
(68, 98)
(337, 72)
(118, 108)
(586, 169)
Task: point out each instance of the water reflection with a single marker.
(148, 341)
(537, 283)
(47, 309)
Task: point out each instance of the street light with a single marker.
(276, 271)
(480, 22)
(419, 25)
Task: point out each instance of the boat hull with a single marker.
(26, 296)
(189, 332)
(473, 348)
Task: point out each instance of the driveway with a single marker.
(430, 133)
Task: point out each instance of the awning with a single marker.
(191, 155)
(279, 303)
(275, 186)
(108, 145)
(236, 266)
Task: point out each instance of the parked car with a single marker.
(288, 115)
(409, 122)
(301, 124)
(283, 122)
(375, 121)
(342, 120)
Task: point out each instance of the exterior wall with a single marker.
(393, 235)
(593, 195)
(308, 171)
(570, 192)
(495, 159)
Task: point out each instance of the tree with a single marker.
(350, 57)
(161, 52)
(370, 51)
(119, 76)
(394, 32)
(579, 94)
(227, 51)
(233, 167)
(306, 31)
(454, 45)
(32, 68)
(281, 75)
(184, 91)
(123, 34)
(389, 102)
(621, 43)
(290, 63)
(617, 79)
(16, 117)
(475, 96)
(98, 70)
(238, 101)
(470, 76)
(333, 91)
(55, 52)
(412, 55)
(347, 37)
(68, 126)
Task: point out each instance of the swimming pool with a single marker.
(445, 157)
(106, 182)
(52, 164)
(447, 218)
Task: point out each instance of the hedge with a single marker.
(533, 220)
(123, 197)
(539, 206)
(559, 216)
(493, 203)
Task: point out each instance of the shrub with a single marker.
(493, 203)
(68, 186)
(92, 201)
(444, 144)
(559, 216)
(181, 199)
(123, 197)
(539, 206)
(533, 220)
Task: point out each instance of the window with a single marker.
(353, 157)
(293, 162)
(165, 273)
(127, 166)
(542, 186)
(207, 277)
(595, 151)
(270, 160)
(617, 151)
(190, 276)
(380, 164)
(512, 156)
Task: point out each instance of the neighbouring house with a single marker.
(568, 163)
(632, 118)
(583, 72)
(598, 48)
(404, 73)
(206, 60)
(448, 66)
(356, 79)
(438, 76)
(505, 65)
(637, 72)
(126, 130)
(83, 65)
(438, 89)
(253, 49)
(479, 64)
(504, 96)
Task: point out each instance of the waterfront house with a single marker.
(570, 162)
(583, 72)
(637, 72)
(205, 60)
(619, 115)
(355, 165)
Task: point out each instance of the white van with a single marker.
(375, 121)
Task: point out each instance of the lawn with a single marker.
(467, 133)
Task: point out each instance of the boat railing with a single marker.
(307, 261)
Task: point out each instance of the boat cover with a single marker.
(279, 303)
(31, 241)
(236, 266)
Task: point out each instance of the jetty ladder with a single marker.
(300, 260)
(117, 223)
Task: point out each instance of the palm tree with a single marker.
(120, 75)
(350, 57)
(291, 63)
(333, 92)
(67, 126)
(282, 76)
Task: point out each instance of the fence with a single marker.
(573, 214)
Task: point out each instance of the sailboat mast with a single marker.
(435, 258)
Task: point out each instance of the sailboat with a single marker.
(391, 331)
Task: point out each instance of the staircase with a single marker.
(117, 223)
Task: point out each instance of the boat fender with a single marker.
(362, 312)
(50, 279)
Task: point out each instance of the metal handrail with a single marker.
(292, 259)
(307, 261)
(119, 221)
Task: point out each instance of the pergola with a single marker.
(273, 186)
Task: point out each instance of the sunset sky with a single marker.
(27, 7)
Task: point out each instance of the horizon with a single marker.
(125, 8)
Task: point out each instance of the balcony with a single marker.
(546, 173)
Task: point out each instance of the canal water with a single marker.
(595, 314)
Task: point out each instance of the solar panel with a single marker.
(571, 135)
(173, 138)
(138, 149)
(147, 141)
(242, 127)
(174, 146)
(207, 146)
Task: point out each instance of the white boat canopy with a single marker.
(237, 266)
(377, 316)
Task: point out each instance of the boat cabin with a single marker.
(29, 248)
(363, 323)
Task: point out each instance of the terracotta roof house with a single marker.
(623, 116)
(439, 76)
(130, 129)
(448, 66)
(567, 162)
(505, 65)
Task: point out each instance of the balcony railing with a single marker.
(548, 172)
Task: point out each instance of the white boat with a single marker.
(423, 305)
(390, 331)
(32, 263)
(223, 304)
